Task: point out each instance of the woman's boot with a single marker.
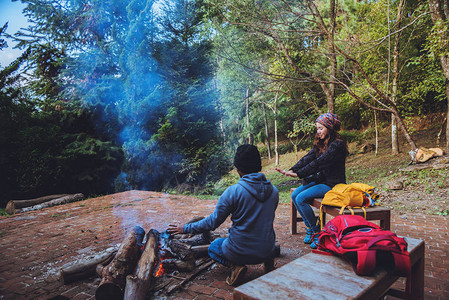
(308, 237)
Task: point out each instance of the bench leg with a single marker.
(417, 278)
(293, 219)
(385, 222)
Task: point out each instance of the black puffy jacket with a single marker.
(328, 168)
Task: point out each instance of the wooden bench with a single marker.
(382, 214)
(317, 276)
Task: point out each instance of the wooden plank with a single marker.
(316, 276)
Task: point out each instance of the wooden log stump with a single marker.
(113, 280)
(13, 205)
(54, 202)
(138, 284)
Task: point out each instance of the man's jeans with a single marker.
(216, 253)
(303, 196)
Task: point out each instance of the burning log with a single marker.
(86, 267)
(114, 274)
(54, 202)
(172, 264)
(179, 250)
(14, 205)
(138, 284)
(201, 250)
(198, 239)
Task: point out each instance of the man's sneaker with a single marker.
(237, 273)
(316, 242)
(268, 265)
(308, 238)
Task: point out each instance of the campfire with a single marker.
(145, 264)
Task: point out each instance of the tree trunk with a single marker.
(439, 12)
(84, 268)
(276, 163)
(404, 130)
(54, 202)
(114, 274)
(395, 80)
(12, 205)
(247, 116)
(267, 132)
(138, 284)
(332, 58)
(377, 132)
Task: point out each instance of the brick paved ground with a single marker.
(35, 245)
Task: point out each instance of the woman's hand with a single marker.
(175, 229)
(287, 173)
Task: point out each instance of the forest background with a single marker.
(156, 95)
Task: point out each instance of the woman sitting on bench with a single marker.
(322, 168)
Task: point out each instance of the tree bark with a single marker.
(12, 205)
(138, 284)
(439, 12)
(267, 132)
(247, 116)
(332, 58)
(395, 79)
(54, 202)
(114, 274)
(86, 267)
(276, 144)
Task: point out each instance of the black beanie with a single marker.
(247, 159)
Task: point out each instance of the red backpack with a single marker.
(365, 245)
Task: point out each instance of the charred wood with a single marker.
(138, 284)
(114, 274)
(198, 239)
(172, 264)
(174, 286)
(86, 267)
(178, 249)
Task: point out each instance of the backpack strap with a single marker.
(321, 217)
(364, 212)
(401, 264)
(351, 210)
(366, 262)
(348, 207)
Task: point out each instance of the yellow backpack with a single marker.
(354, 195)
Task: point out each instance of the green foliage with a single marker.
(161, 94)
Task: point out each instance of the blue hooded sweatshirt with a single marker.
(252, 203)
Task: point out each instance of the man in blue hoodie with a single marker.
(252, 203)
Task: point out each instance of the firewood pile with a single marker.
(18, 206)
(144, 264)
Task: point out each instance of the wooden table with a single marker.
(380, 213)
(316, 276)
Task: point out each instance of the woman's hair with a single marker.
(320, 146)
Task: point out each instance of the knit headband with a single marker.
(329, 120)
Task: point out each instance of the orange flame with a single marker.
(160, 271)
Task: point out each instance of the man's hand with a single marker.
(175, 229)
(287, 173)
